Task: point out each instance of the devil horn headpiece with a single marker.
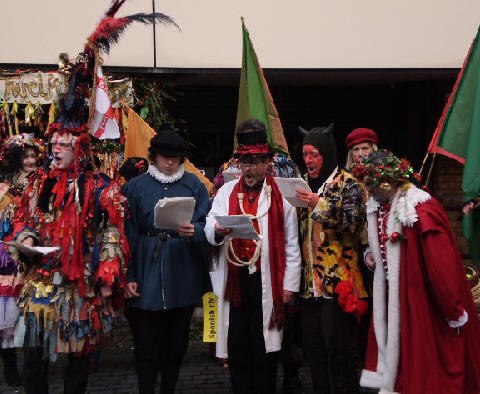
(302, 131)
(329, 129)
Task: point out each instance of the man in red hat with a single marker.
(360, 143)
(253, 279)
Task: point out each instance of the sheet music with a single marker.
(170, 212)
(241, 226)
(288, 186)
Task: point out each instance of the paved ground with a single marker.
(199, 374)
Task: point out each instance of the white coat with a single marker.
(220, 207)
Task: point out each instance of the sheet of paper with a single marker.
(241, 226)
(44, 250)
(170, 212)
(288, 186)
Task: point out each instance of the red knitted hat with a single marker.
(362, 134)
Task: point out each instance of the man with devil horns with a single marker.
(253, 279)
(332, 283)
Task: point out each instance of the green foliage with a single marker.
(152, 99)
(107, 146)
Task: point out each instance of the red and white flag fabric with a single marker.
(104, 123)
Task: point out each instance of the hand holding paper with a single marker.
(241, 226)
(308, 198)
(221, 231)
(186, 230)
(289, 186)
(172, 212)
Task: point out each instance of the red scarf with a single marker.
(276, 245)
(60, 188)
(69, 227)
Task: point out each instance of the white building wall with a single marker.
(286, 33)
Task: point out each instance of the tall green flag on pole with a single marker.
(458, 136)
(254, 98)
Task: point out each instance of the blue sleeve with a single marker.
(132, 230)
(202, 207)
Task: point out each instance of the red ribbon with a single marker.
(253, 149)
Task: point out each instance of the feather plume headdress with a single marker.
(74, 113)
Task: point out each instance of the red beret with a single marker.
(362, 134)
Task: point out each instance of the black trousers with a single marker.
(328, 337)
(252, 369)
(290, 354)
(161, 341)
(10, 370)
(35, 372)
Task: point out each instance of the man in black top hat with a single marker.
(253, 279)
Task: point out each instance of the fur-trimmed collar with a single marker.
(403, 204)
(154, 172)
(386, 298)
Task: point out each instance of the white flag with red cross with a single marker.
(104, 123)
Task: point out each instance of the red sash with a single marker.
(276, 245)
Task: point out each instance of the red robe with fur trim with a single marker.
(413, 348)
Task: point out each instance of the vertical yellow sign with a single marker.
(210, 317)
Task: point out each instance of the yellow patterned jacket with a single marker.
(330, 238)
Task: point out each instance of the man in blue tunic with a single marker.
(167, 275)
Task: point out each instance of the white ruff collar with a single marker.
(403, 204)
(154, 172)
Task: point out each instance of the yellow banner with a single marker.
(47, 87)
(34, 87)
(210, 317)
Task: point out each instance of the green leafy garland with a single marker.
(393, 170)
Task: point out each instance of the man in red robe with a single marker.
(425, 333)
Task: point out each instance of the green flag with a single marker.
(254, 98)
(458, 136)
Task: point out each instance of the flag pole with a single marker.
(423, 162)
(431, 168)
(93, 94)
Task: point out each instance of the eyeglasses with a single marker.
(245, 166)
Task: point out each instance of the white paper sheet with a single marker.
(44, 250)
(170, 212)
(288, 186)
(241, 226)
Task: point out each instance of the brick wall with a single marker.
(446, 186)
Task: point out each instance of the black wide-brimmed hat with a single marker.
(168, 143)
